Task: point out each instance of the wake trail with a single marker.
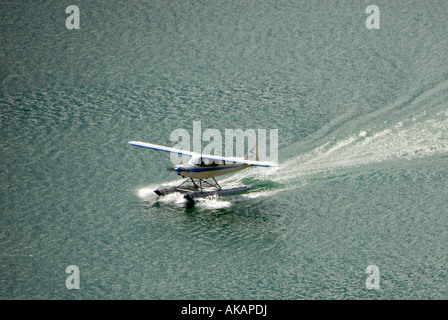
(413, 127)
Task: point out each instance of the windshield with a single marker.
(196, 160)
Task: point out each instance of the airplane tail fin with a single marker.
(252, 154)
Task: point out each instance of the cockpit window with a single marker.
(199, 161)
(196, 160)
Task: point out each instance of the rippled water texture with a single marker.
(362, 119)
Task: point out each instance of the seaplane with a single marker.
(200, 171)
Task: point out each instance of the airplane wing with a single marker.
(205, 156)
(160, 148)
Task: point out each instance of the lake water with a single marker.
(362, 120)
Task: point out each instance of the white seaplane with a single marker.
(202, 169)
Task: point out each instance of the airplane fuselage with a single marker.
(207, 171)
